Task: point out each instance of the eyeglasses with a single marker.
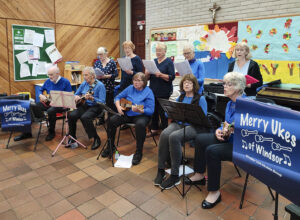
(188, 82)
(228, 84)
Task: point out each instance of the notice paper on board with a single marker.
(150, 66)
(53, 54)
(183, 68)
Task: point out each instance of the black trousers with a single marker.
(51, 111)
(159, 113)
(86, 114)
(140, 122)
(110, 100)
(210, 152)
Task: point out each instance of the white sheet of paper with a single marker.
(150, 66)
(125, 63)
(24, 70)
(33, 61)
(49, 36)
(41, 68)
(183, 68)
(33, 53)
(124, 161)
(188, 170)
(53, 54)
(28, 36)
(38, 40)
(62, 99)
(21, 47)
(99, 72)
(22, 57)
(34, 68)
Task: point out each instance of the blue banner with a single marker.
(265, 145)
(15, 115)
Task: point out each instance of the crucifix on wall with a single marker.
(214, 10)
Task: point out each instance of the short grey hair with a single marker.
(237, 79)
(90, 70)
(161, 45)
(102, 50)
(188, 47)
(54, 69)
(246, 47)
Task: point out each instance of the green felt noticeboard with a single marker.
(19, 46)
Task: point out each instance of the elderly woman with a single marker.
(142, 108)
(171, 138)
(243, 64)
(109, 69)
(93, 91)
(161, 85)
(211, 149)
(196, 65)
(126, 77)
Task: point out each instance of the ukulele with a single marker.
(82, 99)
(227, 129)
(127, 105)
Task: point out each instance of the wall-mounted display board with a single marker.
(275, 45)
(31, 60)
(213, 45)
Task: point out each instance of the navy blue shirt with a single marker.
(62, 85)
(126, 79)
(160, 87)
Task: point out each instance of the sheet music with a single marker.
(124, 161)
(62, 99)
(99, 72)
(125, 63)
(150, 66)
(183, 68)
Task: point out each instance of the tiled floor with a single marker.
(75, 185)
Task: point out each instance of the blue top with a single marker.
(109, 69)
(62, 85)
(126, 79)
(160, 87)
(144, 97)
(199, 71)
(243, 70)
(202, 104)
(99, 92)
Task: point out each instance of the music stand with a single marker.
(186, 113)
(108, 141)
(65, 100)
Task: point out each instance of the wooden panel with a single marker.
(26, 86)
(81, 43)
(4, 75)
(36, 10)
(94, 13)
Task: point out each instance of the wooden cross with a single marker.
(214, 9)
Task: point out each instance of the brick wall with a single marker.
(169, 13)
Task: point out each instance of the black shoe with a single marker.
(169, 183)
(97, 143)
(201, 182)
(70, 142)
(208, 205)
(23, 136)
(106, 151)
(159, 177)
(137, 157)
(50, 136)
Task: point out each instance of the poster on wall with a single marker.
(213, 45)
(266, 145)
(275, 45)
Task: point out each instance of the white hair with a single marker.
(90, 70)
(237, 79)
(102, 50)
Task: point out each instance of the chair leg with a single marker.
(9, 139)
(37, 138)
(132, 132)
(154, 141)
(244, 191)
(237, 170)
(63, 126)
(118, 136)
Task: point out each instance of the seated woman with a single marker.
(211, 149)
(171, 138)
(142, 99)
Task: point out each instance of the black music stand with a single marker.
(186, 113)
(108, 141)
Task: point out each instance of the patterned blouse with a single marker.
(110, 68)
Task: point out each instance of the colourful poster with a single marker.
(275, 45)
